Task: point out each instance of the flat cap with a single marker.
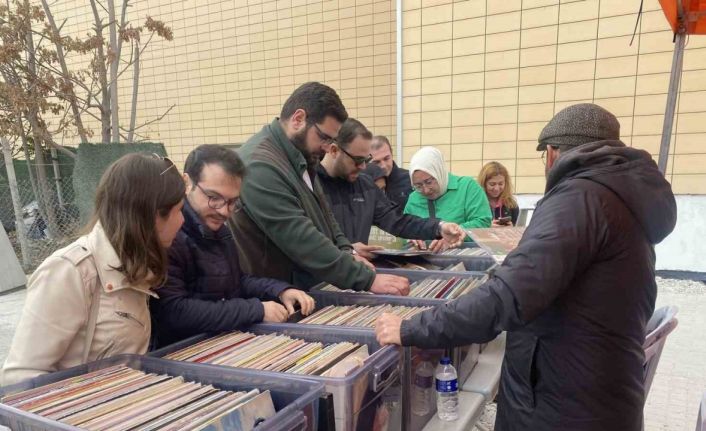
(579, 124)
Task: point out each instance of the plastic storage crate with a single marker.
(472, 263)
(464, 358)
(410, 274)
(295, 400)
(357, 396)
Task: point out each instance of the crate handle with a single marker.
(379, 370)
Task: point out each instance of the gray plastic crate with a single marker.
(471, 263)
(295, 400)
(464, 358)
(409, 274)
(355, 396)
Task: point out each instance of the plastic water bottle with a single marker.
(446, 390)
(422, 392)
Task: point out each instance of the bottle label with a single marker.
(423, 381)
(447, 385)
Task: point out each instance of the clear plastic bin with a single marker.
(463, 358)
(357, 396)
(411, 275)
(472, 263)
(296, 400)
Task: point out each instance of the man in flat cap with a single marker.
(576, 294)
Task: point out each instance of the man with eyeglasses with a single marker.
(286, 229)
(358, 204)
(206, 290)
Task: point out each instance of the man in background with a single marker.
(398, 185)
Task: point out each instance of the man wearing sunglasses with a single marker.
(358, 204)
(286, 229)
(206, 290)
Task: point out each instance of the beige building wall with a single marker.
(482, 77)
(232, 64)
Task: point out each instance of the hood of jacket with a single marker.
(629, 173)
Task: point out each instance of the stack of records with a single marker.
(497, 242)
(332, 288)
(446, 288)
(271, 352)
(473, 251)
(121, 398)
(358, 315)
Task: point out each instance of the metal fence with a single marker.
(49, 220)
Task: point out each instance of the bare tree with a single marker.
(109, 65)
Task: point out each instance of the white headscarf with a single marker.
(431, 161)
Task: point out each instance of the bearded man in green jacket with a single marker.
(286, 229)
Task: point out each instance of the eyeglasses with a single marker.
(426, 183)
(218, 202)
(544, 157)
(165, 159)
(323, 136)
(358, 160)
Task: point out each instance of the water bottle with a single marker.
(422, 392)
(446, 390)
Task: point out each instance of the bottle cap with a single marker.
(445, 360)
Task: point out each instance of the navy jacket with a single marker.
(359, 205)
(575, 296)
(399, 186)
(205, 289)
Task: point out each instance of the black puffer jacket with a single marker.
(575, 296)
(205, 289)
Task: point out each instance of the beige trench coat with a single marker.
(52, 331)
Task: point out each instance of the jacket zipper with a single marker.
(129, 316)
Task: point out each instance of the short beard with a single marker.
(299, 141)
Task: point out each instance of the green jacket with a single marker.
(285, 230)
(464, 203)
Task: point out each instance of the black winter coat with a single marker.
(575, 296)
(205, 289)
(399, 186)
(359, 205)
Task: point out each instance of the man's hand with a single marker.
(387, 329)
(452, 234)
(290, 297)
(365, 250)
(438, 245)
(364, 261)
(387, 284)
(419, 244)
(274, 312)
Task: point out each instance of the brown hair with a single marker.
(133, 190)
(379, 141)
(493, 169)
(351, 129)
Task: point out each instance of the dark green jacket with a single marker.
(286, 231)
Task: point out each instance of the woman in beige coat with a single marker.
(89, 300)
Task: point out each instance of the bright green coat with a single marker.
(464, 203)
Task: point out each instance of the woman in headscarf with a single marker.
(441, 194)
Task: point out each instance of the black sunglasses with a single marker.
(358, 160)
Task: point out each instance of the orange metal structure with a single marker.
(693, 13)
(685, 17)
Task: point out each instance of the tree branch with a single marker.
(65, 72)
(154, 120)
